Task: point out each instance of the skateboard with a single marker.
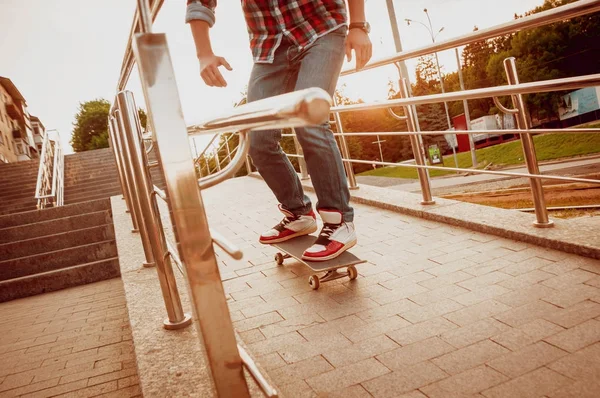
(294, 249)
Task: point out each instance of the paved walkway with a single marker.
(438, 311)
(70, 343)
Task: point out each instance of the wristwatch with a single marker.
(365, 26)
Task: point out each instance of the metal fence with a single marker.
(515, 90)
(193, 249)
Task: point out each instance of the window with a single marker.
(1, 140)
(20, 149)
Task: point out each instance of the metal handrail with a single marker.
(557, 14)
(50, 173)
(300, 108)
(569, 83)
(231, 168)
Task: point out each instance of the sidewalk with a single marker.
(74, 342)
(439, 311)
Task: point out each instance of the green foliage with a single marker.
(90, 129)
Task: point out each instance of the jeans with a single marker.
(317, 65)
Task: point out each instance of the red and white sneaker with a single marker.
(335, 238)
(290, 227)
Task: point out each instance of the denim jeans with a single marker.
(317, 65)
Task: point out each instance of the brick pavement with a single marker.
(437, 311)
(70, 343)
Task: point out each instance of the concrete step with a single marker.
(17, 176)
(53, 213)
(90, 186)
(51, 261)
(30, 164)
(100, 193)
(23, 194)
(26, 186)
(91, 179)
(59, 241)
(59, 279)
(55, 226)
(108, 171)
(7, 203)
(17, 210)
(74, 200)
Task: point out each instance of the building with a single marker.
(39, 131)
(17, 142)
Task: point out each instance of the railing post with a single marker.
(301, 161)
(156, 241)
(417, 148)
(537, 190)
(135, 192)
(114, 132)
(344, 149)
(112, 145)
(248, 165)
(188, 215)
(217, 160)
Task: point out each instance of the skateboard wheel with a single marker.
(279, 258)
(352, 273)
(313, 281)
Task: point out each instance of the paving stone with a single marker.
(527, 334)
(387, 310)
(525, 295)
(579, 389)
(277, 343)
(466, 383)
(393, 384)
(432, 311)
(257, 321)
(476, 312)
(300, 370)
(582, 365)
(527, 359)
(412, 354)
(436, 295)
(348, 375)
(575, 314)
(375, 328)
(527, 313)
(299, 388)
(291, 324)
(477, 296)
(469, 357)
(474, 332)
(568, 279)
(526, 266)
(573, 295)
(297, 352)
(484, 280)
(577, 337)
(360, 351)
(322, 331)
(445, 280)
(540, 382)
(421, 331)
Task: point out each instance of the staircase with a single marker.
(91, 175)
(17, 186)
(55, 248)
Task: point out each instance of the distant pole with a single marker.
(402, 69)
(466, 108)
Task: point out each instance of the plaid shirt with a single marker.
(301, 21)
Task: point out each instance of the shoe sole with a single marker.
(331, 256)
(306, 231)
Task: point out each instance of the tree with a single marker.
(90, 127)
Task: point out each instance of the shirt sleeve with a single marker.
(203, 10)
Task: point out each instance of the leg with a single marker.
(320, 66)
(268, 80)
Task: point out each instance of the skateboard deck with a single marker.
(294, 249)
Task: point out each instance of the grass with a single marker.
(548, 147)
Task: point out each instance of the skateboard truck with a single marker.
(314, 280)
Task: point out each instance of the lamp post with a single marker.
(437, 61)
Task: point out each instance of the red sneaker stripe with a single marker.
(331, 248)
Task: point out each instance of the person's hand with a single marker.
(358, 40)
(209, 70)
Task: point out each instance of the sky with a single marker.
(60, 53)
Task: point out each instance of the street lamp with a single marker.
(437, 61)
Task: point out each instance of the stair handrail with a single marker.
(49, 187)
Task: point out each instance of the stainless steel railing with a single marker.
(49, 189)
(193, 251)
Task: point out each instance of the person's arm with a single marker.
(200, 15)
(358, 40)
